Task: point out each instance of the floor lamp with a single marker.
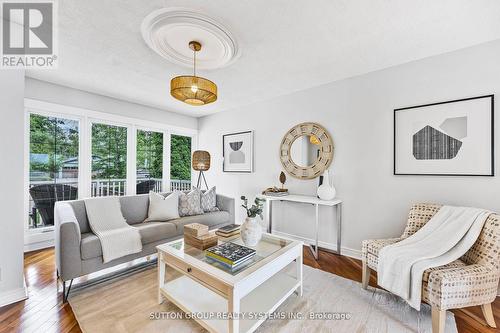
(201, 162)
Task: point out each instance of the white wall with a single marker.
(358, 112)
(11, 185)
(49, 92)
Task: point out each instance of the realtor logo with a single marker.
(28, 34)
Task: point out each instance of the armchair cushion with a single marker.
(457, 287)
(454, 264)
(373, 246)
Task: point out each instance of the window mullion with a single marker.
(166, 162)
(85, 158)
(131, 160)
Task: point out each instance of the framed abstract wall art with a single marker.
(237, 150)
(453, 138)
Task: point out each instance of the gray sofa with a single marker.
(78, 250)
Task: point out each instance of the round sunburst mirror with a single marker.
(306, 151)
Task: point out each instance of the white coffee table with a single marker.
(210, 292)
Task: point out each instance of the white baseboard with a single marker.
(13, 296)
(38, 239)
(38, 245)
(345, 251)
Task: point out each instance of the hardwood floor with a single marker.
(44, 310)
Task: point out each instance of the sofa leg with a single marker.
(66, 293)
(438, 320)
(488, 315)
(365, 275)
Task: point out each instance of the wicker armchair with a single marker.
(469, 281)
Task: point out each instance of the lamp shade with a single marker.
(193, 90)
(201, 160)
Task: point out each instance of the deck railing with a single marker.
(103, 187)
(100, 187)
(117, 186)
(181, 185)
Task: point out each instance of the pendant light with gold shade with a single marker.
(192, 89)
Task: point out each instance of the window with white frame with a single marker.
(180, 162)
(109, 160)
(98, 154)
(149, 157)
(53, 166)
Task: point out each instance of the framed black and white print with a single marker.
(453, 138)
(237, 150)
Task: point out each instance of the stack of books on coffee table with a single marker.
(228, 230)
(230, 255)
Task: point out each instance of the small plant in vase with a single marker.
(251, 231)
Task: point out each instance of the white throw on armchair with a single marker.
(469, 281)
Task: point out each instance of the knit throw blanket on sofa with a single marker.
(445, 238)
(117, 238)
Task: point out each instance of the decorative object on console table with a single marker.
(326, 191)
(320, 182)
(276, 192)
(282, 180)
(237, 150)
(251, 231)
(453, 138)
(201, 163)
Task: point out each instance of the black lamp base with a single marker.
(201, 175)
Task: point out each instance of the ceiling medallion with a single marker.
(193, 90)
(167, 31)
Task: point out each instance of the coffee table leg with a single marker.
(161, 277)
(299, 273)
(234, 310)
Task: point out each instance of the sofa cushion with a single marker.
(155, 231)
(210, 219)
(150, 232)
(135, 208)
(90, 246)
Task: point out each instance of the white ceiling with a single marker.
(286, 46)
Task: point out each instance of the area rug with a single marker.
(329, 304)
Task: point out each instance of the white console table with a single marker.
(306, 199)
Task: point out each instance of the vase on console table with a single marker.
(326, 191)
(251, 231)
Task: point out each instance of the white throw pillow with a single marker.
(163, 208)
